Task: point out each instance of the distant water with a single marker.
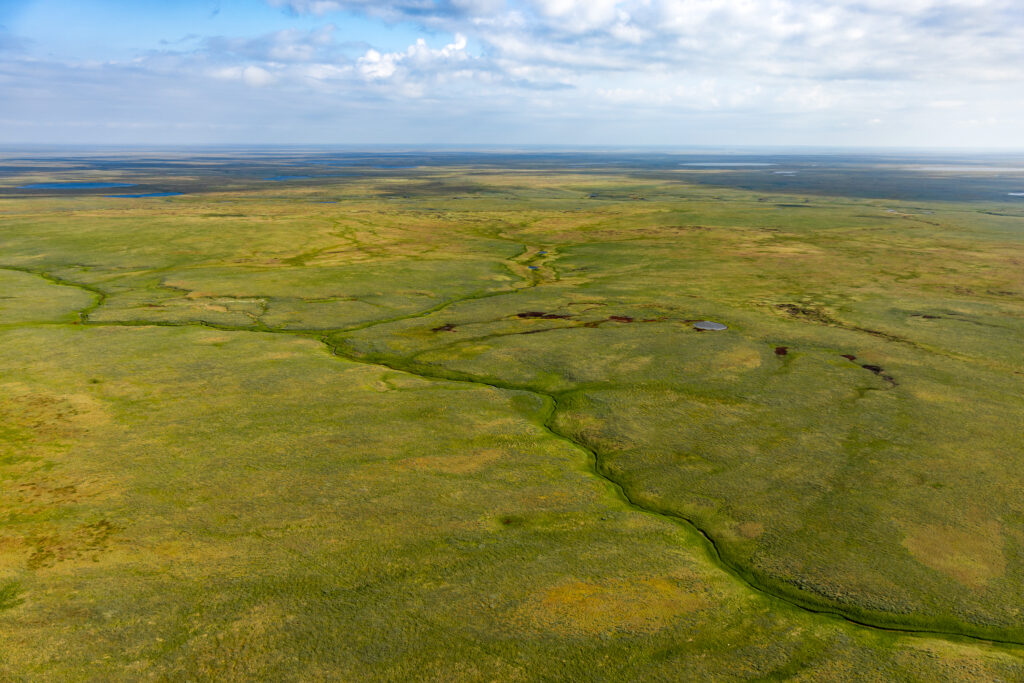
(148, 194)
(1016, 194)
(724, 163)
(73, 186)
(279, 178)
(967, 168)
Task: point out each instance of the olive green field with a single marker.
(454, 423)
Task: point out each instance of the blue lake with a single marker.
(724, 163)
(73, 186)
(148, 194)
(279, 178)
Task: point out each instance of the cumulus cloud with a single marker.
(867, 39)
(659, 59)
(375, 66)
(843, 64)
(421, 70)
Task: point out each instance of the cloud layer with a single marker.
(919, 72)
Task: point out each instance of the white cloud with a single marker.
(925, 65)
(376, 66)
(250, 75)
(373, 65)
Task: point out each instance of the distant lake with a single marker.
(279, 178)
(967, 168)
(148, 194)
(1016, 194)
(73, 186)
(724, 163)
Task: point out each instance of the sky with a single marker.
(661, 73)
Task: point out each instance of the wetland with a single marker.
(448, 417)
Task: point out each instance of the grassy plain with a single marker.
(456, 424)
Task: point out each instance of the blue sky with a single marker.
(927, 73)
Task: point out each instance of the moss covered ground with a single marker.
(455, 423)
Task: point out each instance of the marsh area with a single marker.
(443, 415)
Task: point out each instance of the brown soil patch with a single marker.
(750, 529)
(738, 359)
(971, 555)
(806, 312)
(48, 417)
(86, 542)
(465, 463)
(609, 605)
(214, 339)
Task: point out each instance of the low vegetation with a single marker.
(456, 423)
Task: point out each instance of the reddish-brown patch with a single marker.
(849, 356)
(620, 318)
(781, 350)
(447, 327)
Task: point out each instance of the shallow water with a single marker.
(724, 163)
(968, 168)
(73, 186)
(708, 325)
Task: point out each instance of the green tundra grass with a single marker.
(457, 425)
